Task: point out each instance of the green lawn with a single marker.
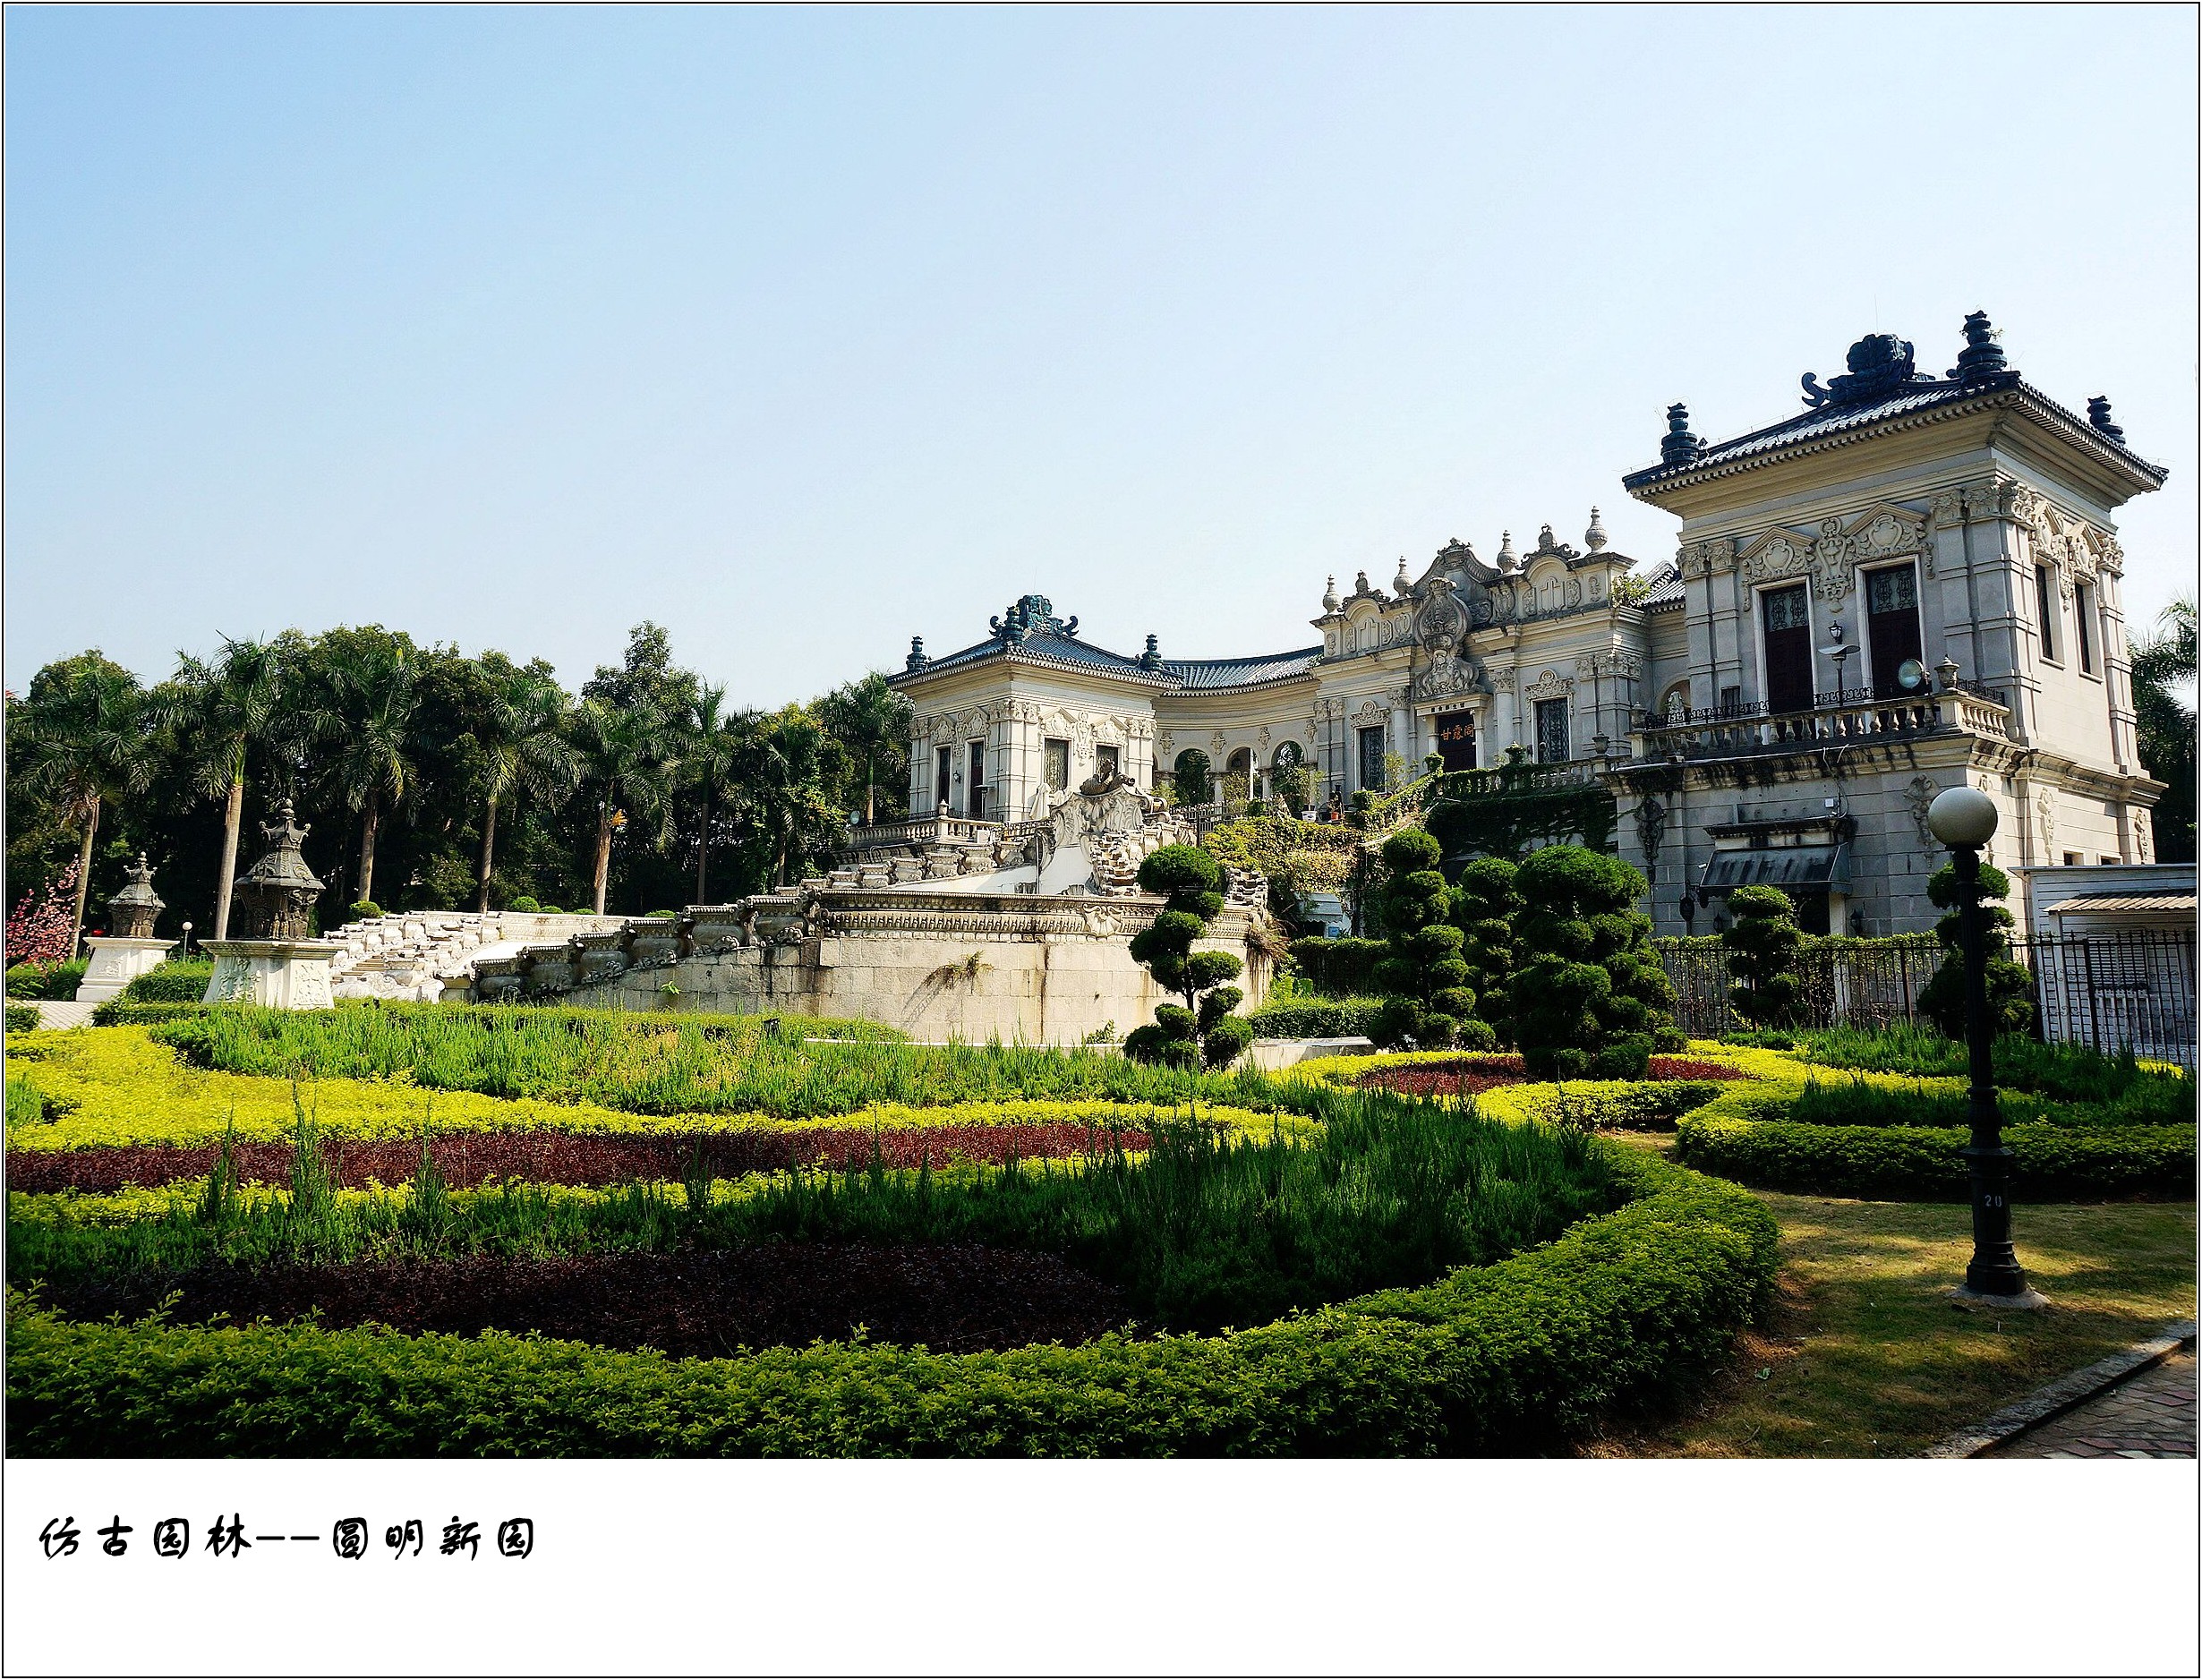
(1865, 1356)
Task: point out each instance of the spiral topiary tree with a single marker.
(1763, 943)
(2010, 988)
(1424, 977)
(1203, 1029)
(1591, 997)
(1484, 906)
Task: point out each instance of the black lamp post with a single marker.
(1964, 819)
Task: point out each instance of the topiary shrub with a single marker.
(525, 904)
(1592, 996)
(366, 909)
(1422, 975)
(1203, 1029)
(1763, 943)
(1484, 906)
(2010, 988)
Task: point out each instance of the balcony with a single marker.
(1850, 718)
(941, 829)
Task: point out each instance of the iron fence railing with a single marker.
(2132, 989)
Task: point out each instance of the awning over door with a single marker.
(1799, 868)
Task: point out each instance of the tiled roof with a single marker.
(1834, 419)
(2168, 903)
(1238, 673)
(1665, 581)
(1046, 648)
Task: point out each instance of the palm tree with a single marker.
(372, 687)
(227, 707)
(707, 762)
(871, 724)
(2165, 726)
(89, 741)
(523, 737)
(626, 754)
(781, 769)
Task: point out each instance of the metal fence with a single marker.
(2112, 991)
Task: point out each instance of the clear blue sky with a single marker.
(805, 331)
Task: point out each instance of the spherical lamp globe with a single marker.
(1962, 817)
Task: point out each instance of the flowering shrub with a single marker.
(42, 927)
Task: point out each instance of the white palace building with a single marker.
(1913, 583)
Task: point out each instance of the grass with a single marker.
(1864, 1357)
(2064, 1071)
(654, 1065)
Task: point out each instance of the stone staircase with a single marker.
(415, 955)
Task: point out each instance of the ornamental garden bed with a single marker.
(953, 1296)
(1466, 1074)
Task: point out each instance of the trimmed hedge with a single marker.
(1619, 1313)
(1618, 1105)
(2050, 1163)
(1315, 1018)
(51, 982)
(175, 981)
(1340, 968)
(120, 1011)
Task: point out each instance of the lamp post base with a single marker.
(2028, 1299)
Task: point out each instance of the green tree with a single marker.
(627, 761)
(86, 728)
(2010, 988)
(870, 724)
(708, 756)
(524, 750)
(2165, 726)
(1763, 943)
(1484, 906)
(1424, 979)
(784, 771)
(1204, 1029)
(362, 714)
(227, 708)
(1592, 996)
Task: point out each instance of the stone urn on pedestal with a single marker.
(278, 964)
(121, 957)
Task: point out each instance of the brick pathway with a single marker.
(2149, 1415)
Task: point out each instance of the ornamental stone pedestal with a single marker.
(121, 957)
(277, 965)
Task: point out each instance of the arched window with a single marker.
(1676, 705)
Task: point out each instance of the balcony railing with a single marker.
(923, 831)
(1834, 720)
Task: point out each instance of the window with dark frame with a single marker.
(1057, 755)
(1892, 627)
(1106, 759)
(1553, 745)
(1787, 615)
(1372, 758)
(2045, 604)
(975, 783)
(2083, 616)
(943, 769)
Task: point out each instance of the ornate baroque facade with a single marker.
(1914, 582)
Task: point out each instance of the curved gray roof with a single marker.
(1047, 647)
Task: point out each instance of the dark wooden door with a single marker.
(1789, 648)
(1457, 739)
(1892, 627)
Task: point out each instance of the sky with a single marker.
(803, 332)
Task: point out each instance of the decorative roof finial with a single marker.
(2099, 417)
(1680, 445)
(916, 659)
(1330, 593)
(1982, 359)
(1594, 538)
(1401, 582)
(1508, 560)
(1152, 659)
(1361, 584)
(1546, 541)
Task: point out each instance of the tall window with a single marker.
(1552, 742)
(943, 767)
(1372, 758)
(2045, 604)
(1892, 626)
(1788, 615)
(1057, 754)
(1106, 759)
(974, 782)
(2083, 625)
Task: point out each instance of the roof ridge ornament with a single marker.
(1152, 659)
(2099, 417)
(1330, 593)
(1983, 358)
(916, 659)
(1595, 538)
(1031, 616)
(1880, 364)
(1681, 445)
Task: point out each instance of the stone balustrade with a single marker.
(1752, 731)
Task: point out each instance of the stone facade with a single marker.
(1915, 582)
